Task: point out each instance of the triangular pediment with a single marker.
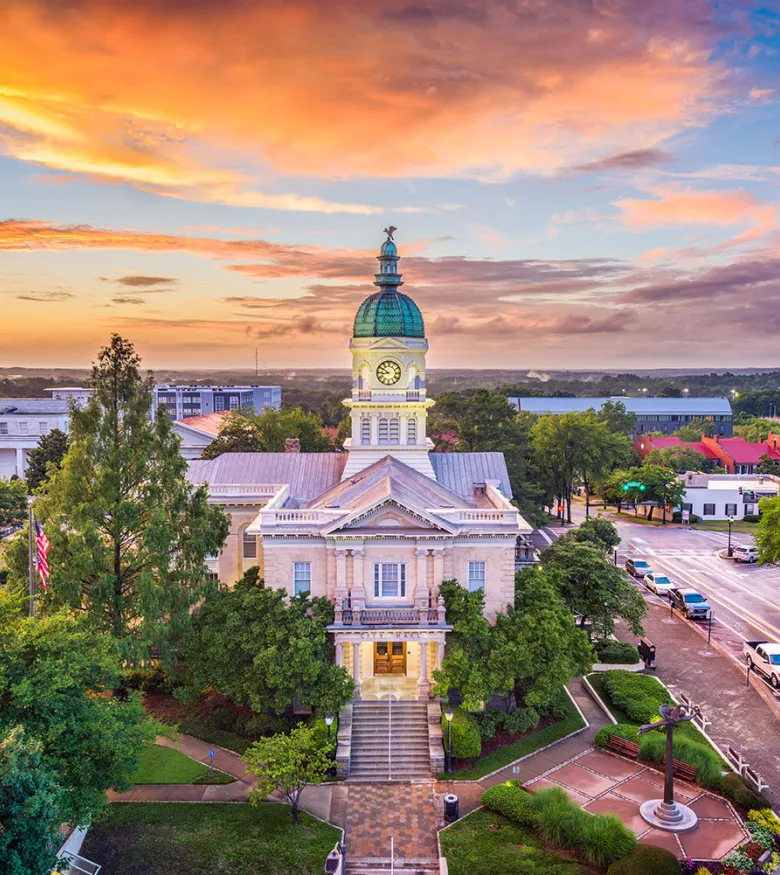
(390, 515)
(386, 343)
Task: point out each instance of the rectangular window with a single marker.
(22, 428)
(411, 431)
(365, 431)
(219, 403)
(43, 427)
(476, 576)
(389, 580)
(3, 428)
(731, 510)
(395, 431)
(301, 577)
(384, 431)
(234, 402)
(250, 546)
(709, 510)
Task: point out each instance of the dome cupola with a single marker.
(388, 312)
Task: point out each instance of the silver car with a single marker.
(658, 583)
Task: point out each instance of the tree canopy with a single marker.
(768, 534)
(695, 429)
(51, 450)
(129, 535)
(13, 502)
(679, 459)
(244, 431)
(266, 650)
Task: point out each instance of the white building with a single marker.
(182, 402)
(22, 422)
(719, 496)
(197, 432)
(78, 394)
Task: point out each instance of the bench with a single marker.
(631, 749)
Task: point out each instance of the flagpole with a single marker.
(31, 557)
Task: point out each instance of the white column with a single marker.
(21, 462)
(423, 686)
(356, 667)
(358, 587)
(374, 429)
(438, 569)
(439, 654)
(339, 653)
(421, 587)
(341, 574)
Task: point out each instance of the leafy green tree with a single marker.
(56, 678)
(593, 587)
(30, 806)
(535, 646)
(661, 487)
(129, 535)
(266, 650)
(695, 429)
(465, 665)
(617, 419)
(13, 502)
(768, 533)
(51, 450)
(679, 459)
(246, 432)
(766, 465)
(612, 490)
(595, 530)
(288, 764)
(753, 429)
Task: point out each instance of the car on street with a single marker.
(658, 583)
(743, 553)
(690, 603)
(764, 658)
(638, 567)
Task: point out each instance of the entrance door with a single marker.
(390, 657)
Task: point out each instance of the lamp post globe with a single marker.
(448, 714)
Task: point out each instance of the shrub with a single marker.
(638, 695)
(265, 724)
(221, 718)
(764, 817)
(616, 652)
(652, 748)
(605, 839)
(739, 860)
(559, 818)
(646, 860)
(521, 720)
(751, 517)
(513, 802)
(761, 834)
(488, 721)
(558, 707)
(736, 788)
(622, 730)
(465, 734)
(148, 680)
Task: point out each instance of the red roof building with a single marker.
(736, 455)
(646, 443)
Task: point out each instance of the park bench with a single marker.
(631, 749)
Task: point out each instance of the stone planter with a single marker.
(616, 666)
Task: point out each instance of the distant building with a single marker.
(719, 496)
(197, 432)
(185, 401)
(736, 455)
(652, 414)
(22, 422)
(77, 394)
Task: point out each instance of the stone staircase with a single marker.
(390, 741)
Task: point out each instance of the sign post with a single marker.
(686, 516)
(211, 761)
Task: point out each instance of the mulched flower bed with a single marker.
(499, 740)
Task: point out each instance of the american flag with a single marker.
(42, 550)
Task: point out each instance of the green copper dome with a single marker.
(388, 312)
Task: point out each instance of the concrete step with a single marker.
(382, 866)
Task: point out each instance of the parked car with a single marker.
(690, 603)
(743, 553)
(658, 583)
(764, 657)
(638, 567)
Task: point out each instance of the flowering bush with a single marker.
(764, 817)
(761, 834)
(753, 850)
(737, 862)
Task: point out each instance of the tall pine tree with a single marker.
(129, 534)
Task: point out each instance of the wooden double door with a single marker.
(390, 657)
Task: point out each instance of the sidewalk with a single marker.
(739, 715)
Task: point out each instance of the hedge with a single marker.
(638, 695)
(709, 765)
(646, 860)
(741, 793)
(616, 652)
(600, 838)
(622, 730)
(466, 741)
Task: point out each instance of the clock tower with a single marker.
(389, 406)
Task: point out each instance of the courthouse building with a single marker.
(377, 528)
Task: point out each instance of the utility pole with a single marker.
(31, 557)
(257, 370)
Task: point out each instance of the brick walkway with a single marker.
(739, 716)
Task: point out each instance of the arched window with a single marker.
(365, 430)
(395, 431)
(384, 431)
(249, 545)
(411, 431)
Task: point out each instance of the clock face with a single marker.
(388, 373)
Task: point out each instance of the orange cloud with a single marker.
(211, 101)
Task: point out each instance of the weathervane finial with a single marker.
(390, 231)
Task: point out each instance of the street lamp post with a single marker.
(329, 723)
(729, 551)
(448, 714)
(30, 555)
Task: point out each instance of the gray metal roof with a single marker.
(460, 471)
(307, 474)
(26, 406)
(686, 406)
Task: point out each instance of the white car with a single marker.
(743, 553)
(658, 583)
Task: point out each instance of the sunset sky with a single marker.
(576, 183)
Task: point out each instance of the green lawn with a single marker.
(473, 848)
(723, 526)
(152, 838)
(522, 747)
(164, 765)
